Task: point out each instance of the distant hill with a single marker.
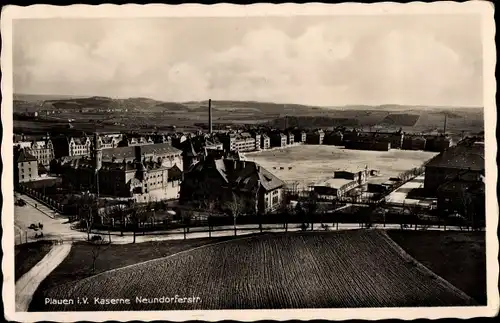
(409, 117)
(402, 119)
(43, 97)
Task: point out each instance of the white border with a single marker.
(484, 9)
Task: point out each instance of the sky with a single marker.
(328, 61)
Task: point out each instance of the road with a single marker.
(29, 282)
(223, 231)
(53, 227)
(59, 229)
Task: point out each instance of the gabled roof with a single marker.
(129, 152)
(25, 156)
(174, 173)
(268, 180)
(239, 174)
(460, 157)
(189, 149)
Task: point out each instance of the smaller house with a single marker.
(265, 141)
(278, 139)
(359, 175)
(414, 142)
(315, 138)
(334, 188)
(376, 185)
(299, 136)
(27, 166)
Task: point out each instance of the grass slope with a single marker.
(295, 270)
(28, 255)
(458, 257)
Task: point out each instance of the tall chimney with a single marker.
(445, 117)
(209, 116)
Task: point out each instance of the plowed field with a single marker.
(295, 270)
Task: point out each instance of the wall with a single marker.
(28, 171)
(272, 200)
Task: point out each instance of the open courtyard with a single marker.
(309, 164)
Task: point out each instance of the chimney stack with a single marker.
(138, 153)
(209, 116)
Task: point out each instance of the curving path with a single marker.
(29, 282)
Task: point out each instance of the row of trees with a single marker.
(307, 211)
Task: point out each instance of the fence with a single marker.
(43, 199)
(411, 174)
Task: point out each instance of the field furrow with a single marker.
(295, 270)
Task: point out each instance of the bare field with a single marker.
(294, 270)
(444, 253)
(313, 163)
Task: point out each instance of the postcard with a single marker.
(230, 162)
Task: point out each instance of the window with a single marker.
(23, 176)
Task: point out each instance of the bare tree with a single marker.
(147, 215)
(98, 247)
(108, 214)
(235, 207)
(467, 209)
(135, 215)
(187, 215)
(87, 207)
(311, 207)
(289, 211)
(210, 207)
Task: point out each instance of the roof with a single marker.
(25, 156)
(268, 180)
(189, 150)
(377, 180)
(460, 157)
(174, 173)
(352, 170)
(334, 182)
(457, 186)
(240, 174)
(129, 152)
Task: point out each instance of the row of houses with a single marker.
(383, 141)
(254, 140)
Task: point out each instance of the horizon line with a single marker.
(79, 96)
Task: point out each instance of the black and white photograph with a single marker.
(280, 161)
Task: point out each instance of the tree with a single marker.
(289, 211)
(187, 215)
(209, 206)
(120, 212)
(98, 246)
(108, 214)
(135, 215)
(311, 207)
(147, 215)
(87, 205)
(468, 207)
(334, 205)
(235, 207)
